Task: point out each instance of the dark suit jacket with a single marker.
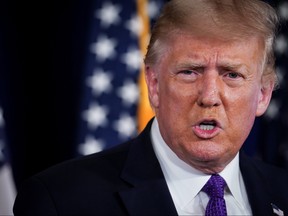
(127, 180)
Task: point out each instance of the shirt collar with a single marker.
(233, 178)
(180, 176)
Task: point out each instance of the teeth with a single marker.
(206, 127)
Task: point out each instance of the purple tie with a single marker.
(215, 190)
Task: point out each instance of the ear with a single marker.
(264, 97)
(151, 77)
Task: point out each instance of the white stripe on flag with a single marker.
(7, 190)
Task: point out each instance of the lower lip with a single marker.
(206, 134)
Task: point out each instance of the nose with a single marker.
(209, 90)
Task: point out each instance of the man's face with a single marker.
(206, 94)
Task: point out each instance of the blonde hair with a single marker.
(222, 19)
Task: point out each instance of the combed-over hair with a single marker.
(222, 19)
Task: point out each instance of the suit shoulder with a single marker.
(266, 170)
(106, 160)
(88, 176)
(270, 168)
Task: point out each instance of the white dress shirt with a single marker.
(185, 182)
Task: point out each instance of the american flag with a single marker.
(110, 83)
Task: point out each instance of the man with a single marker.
(210, 72)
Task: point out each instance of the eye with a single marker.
(187, 72)
(233, 75)
(233, 79)
(187, 75)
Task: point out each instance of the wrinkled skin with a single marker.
(206, 94)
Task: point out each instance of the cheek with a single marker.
(241, 113)
(243, 101)
(175, 98)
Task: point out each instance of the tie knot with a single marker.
(215, 186)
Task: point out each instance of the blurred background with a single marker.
(71, 84)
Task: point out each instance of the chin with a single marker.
(208, 154)
(208, 162)
(208, 150)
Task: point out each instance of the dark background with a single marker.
(42, 47)
(42, 55)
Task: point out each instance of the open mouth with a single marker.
(207, 129)
(207, 125)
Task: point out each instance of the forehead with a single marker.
(206, 49)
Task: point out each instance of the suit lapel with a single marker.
(149, 194)
(257, 187)
(149, 199)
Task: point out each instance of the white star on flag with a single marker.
(153, 9)
(104, 48)
(133, 59)
(134, 25)
(91, 146)
(96, 116)
(273, 109)
(129, 93)
(281, 44)
(283, 10)
(100, 81)
(126, 125)
(108, 14)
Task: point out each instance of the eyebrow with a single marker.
(233, 66)
(229, 66)
(189, 65)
